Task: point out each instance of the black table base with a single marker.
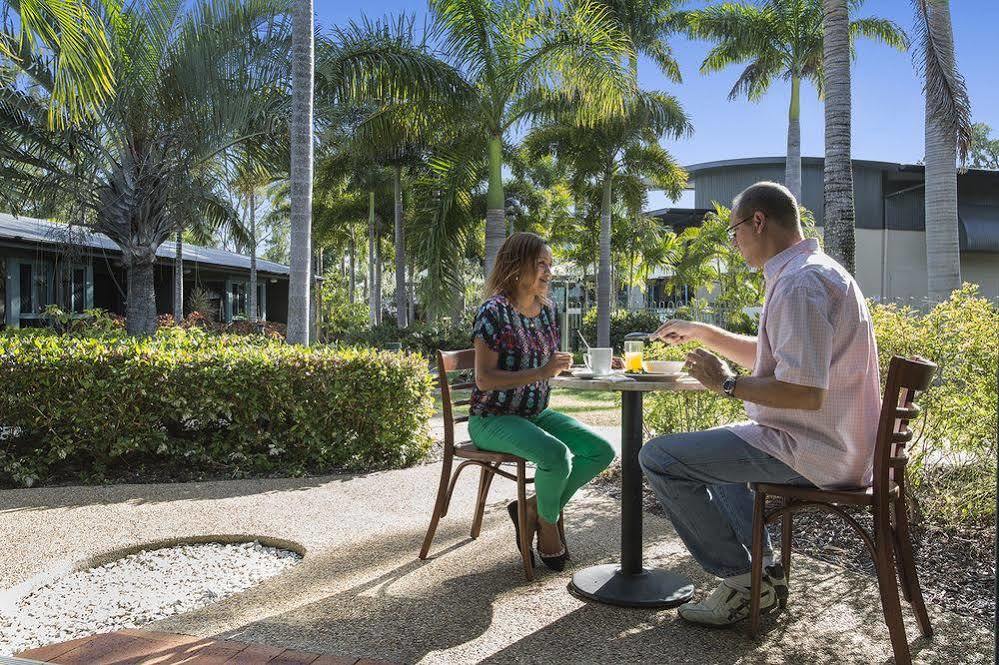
(629, 584)
(648, 588)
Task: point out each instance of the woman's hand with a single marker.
(558, 363)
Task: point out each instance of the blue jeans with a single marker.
(701, 480)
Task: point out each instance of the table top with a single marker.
(627, 384)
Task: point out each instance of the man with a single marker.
(813, 397)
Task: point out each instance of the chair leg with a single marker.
(907, 568)
(786, 528)
(525, 537)
(759, 524)
(888, 587)
(439, 507)
(485, 480)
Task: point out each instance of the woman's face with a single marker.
(535, 279)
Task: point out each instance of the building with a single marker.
(890, 219)
(43, 263)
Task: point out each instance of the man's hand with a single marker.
(709, 369)
(676, 331)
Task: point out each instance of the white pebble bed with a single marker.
(135, 590)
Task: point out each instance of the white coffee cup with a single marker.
(598, 360)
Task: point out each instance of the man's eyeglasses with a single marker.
(731, 230)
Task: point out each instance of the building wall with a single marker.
(724, 183)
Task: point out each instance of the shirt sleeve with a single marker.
(799, 325)
(486, 326)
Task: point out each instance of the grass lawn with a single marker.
(589, 406)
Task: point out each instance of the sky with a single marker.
(887, 92)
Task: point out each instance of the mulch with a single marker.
(956, 564)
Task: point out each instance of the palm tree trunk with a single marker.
(140, 310)
(253, 259)
(302, 66)
(792, 167)
(372, 307)
(400, 252)
(378, 267)
(178, 280)
(838, 216)
(943, 249)
(352, 279)
(604, 270)
(495, 217)
(411, 295)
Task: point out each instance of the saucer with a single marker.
(586, 373)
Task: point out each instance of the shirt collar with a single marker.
(776, 264)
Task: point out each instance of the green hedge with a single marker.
(622, 322)
(85, 408)
(953, 459)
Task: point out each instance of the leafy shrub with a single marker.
(82, 408)
(422, 338)
(952, 467)
(952, 470)
(622, 322)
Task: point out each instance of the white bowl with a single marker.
(663, 366)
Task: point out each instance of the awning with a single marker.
(978, 228)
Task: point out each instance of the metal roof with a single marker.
(40, 231)
(893, 167)
(979, 228)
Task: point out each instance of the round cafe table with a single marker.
(629, 583)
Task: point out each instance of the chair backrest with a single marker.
(454, 361)
(906, 377)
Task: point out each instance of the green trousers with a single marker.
(566, 453)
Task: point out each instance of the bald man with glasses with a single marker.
(813, 399)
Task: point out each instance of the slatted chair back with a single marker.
(906, 378)
(454, 361)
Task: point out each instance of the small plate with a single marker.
(586, 373)
(649, 376)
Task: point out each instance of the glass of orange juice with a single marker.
(633, 355)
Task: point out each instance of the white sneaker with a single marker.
(727, 604)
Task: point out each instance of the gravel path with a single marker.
(136, 590)
(957, 570)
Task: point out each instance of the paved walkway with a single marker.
(361, 592)
(153, 647)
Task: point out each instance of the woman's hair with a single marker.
(516, 257)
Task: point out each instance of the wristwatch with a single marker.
(728, 386)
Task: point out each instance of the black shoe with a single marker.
(511, 508)
(555, 562)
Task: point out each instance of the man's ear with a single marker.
(760, 220)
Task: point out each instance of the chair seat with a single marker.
(863, 496)
(467, 450)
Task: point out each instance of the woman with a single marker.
(516, 336)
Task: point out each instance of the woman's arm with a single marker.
(488, 376)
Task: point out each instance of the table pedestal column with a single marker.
(629, 583)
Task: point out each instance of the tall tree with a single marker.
(839, 216)
(188, 83)
(609, 151)
(984, 150)
(302, 76)
(948, 135)
(511, 53)
(779, 39)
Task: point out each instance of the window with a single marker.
(239, 300)
(3, 291)
(27, 290)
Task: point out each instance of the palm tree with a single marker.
(302, 74)
(71, 34)
(839, 216)
(948, 135)
(779, 39)
(190, 79)
(627, 146)
(647, 23)
(510, 55)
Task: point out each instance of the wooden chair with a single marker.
(489, 463)
(889, 544)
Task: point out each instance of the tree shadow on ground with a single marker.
(469, 603)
